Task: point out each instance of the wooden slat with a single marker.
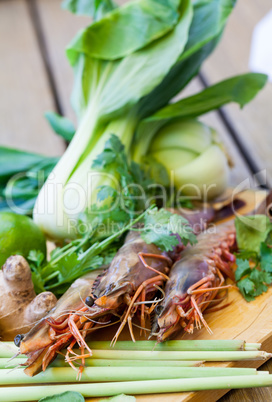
(25, 94)
(253, 123)
(59, 27)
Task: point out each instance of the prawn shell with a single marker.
(73, 299)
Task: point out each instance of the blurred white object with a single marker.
(260, 59)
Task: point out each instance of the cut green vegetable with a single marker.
(102, 374)
(32, 393)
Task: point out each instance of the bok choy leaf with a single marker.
(148, 20)
(93, 8)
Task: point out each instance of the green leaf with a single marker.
(110, 38)
(127, 80)
(208, 22)
(93, 8)
(61, 125)
(106, 192)
(68, 396)
(15, 161)
(247, 288)
(22, 174)
(240, 89)
(36, 257)
(210, 17)
(251, 231)
(161, 226)
(243, 269)
(266, 258)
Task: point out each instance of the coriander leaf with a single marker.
(251, 231)
(106, 192)
(248, 255)
(257, 278)
(61, 125)
(36, 257)
(160, 237)
(164, 229)
(247, 288)
(243, 269)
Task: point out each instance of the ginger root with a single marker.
(20, 308)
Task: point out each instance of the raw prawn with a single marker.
(42, 343)
(195, 280)
(136, 273)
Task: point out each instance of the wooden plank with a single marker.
(59, 27)
(253, 123)
(25, 94)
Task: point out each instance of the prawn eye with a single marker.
(89, 301)
(18, 339)
(269, 210)
(158, 310)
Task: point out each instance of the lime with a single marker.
(18, 235)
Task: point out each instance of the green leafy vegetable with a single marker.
(22, 175)
(160, 225)
(251, 231)
(104, 225)
(240, 89)
(209, 19)
(254, 262)
(105, 97)
(68, 396)
(93, 8)
(61, 125)
(157, 18)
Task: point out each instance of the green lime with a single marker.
(18, 235)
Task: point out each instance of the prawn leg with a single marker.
(134, 298)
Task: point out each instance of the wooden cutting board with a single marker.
(251, 322)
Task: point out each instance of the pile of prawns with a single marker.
(174, 289)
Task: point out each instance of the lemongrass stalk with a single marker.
(102, 374)
(190, 345)
(178, 355)
(8, 349)
(33, 393)
(131, 363)
(252, 346)
(59, 362)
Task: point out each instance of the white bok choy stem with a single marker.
(106, 93)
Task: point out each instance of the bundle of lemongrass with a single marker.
(177, 366)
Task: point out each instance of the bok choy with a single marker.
(128, 65)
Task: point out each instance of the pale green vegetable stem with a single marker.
(32, 393)
(102, 374)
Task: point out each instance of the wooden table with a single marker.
(35, 77)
